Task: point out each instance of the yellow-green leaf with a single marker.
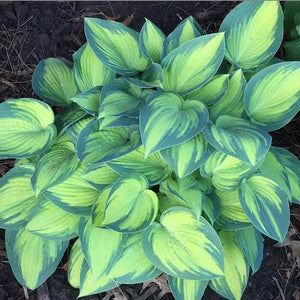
(116, 45)
(234, 282)
(32, 258)
(190, 197)
(90, 285)
(255, 25)
(184, 72)
(251, 243)
(272, 96)
(133, 266)
(153, 167)
(183, 289)
(130, 206)
(232, 216)
(185, 158)
(26, 128)
(101, 247)
(184, 246)
(51, 222)
(119, 98)
(74, 194)
(166, 120)
(186, 30)
(52, 80)
(151, 41)
(292, 166)
(17, 197)
(89, 100)
(225, 170)
(213, 91)
(100, 176)
(75, 263)
(232, 104)
(88, 70)
(53, 168)
(238, 138)
(95, 145)
(73, 131)
(273, 167)
(267, 206)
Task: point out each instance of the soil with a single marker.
(31, 31)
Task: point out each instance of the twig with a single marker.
(25, 293)
(279, 287)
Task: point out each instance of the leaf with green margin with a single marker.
(50, 222)
(251, 242)
(238, 138)
(119, 98)
(88, 70)
(211, 209)
(253, 25)
(26, 128)
(75, 263)
(233, 284)
(274, 169)
(164, 203)
(100, 176)
(232, 216)
(101, 246)
(17, 197)
(151, 41)
(184, 72)
(97, 146)
(185, 158)
(118, 121)
(183, 289)
(89, 100)
(61, 141)
(53, 168)
(292, 166)
(225, 170)
(195, 181)
(90, 285)
(292, 50)
(213, 91)
(74, 130)
(65, 119)
(186, 30)
(266, 205)
(130, 206)
(232, 104)
(32, 258)
(187, 197)
(74, 194)
(99, 206)
(153, 167)
(272, 96)
(52, 80)
(116, 45)
(184, 246)
(133, 266)
(181, 121)
(151, 77)
(271, 62)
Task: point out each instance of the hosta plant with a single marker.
(161, 160)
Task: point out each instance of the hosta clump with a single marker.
(161, 160)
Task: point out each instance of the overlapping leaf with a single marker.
(166, 120)
(26, 128)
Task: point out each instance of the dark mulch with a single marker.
(31, 31)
